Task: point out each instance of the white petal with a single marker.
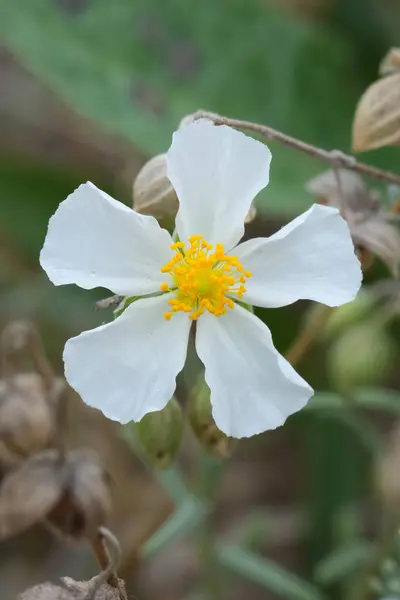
(127, 368)
(311, 258)
(216, 172)
(253, 388)
(95, 241)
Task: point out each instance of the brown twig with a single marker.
(335, 157)
(108, 564)
(307, 336)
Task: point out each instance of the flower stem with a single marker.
(107, 564)
(335, 158)
(307, 336)
(209, 473)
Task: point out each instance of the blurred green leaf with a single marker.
(383, 399)
(138, 67)
(187, 517)
(343, 561)
(266, 573)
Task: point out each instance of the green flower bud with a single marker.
(363, 355)
(349, 314)
(203, 424)
(159, 434)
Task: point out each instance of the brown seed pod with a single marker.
(153, 193)
(391, 62)
(69, 590)
(84, 501)
(72, 495)
(377, 118)
(26, 418)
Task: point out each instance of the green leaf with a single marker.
(266, 573)
(383, 399)
(187, 517)
(343, 561)
(138, 67)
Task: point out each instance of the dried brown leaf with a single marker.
(391, 62)
(28, 494)
(377, 118)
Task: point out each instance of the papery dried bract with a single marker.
(377, 118)
(372, 227)
(69, 590)
(391, 62)
(28, 494)
(84, 502)
(153, 193)
(72, 495)
(26, 418)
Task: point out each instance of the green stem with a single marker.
(209, 476)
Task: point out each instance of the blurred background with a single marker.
(90, 90)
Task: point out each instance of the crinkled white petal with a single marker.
(216, 172)
(311, 258)
(253, 388)
(127, 368)
(95, 241)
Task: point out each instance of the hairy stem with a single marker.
(335, 158)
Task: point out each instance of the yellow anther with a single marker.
(203, 279)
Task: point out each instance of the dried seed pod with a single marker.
(153, 193)
(372, 226)
(203, 424)
(72, 494)
(363, 355)
(159, 434)
(377, 118)
(26, 418)
(69, 590)
(84, 501)
(391, 62)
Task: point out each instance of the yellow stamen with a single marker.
(203, 278)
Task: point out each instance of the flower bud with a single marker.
(203, 424)
(363, 355)
(26, 419)
(160, 434)
(349, 314)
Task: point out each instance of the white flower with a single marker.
(127, 368)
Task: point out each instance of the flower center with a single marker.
(204, 278)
